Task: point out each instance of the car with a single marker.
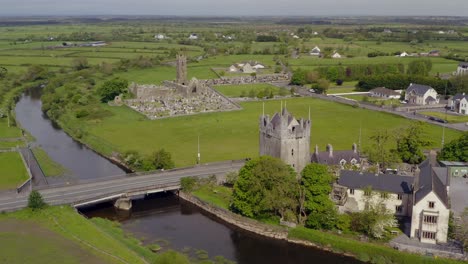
(403, 102)
(432, 118)
(312, 90)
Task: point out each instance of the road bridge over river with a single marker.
(108, 188)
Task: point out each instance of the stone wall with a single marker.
(237, 220)
(268, 78)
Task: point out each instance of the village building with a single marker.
(246, 67)
(434, 53)
(462, 68)
(160, 36)
(459, 103)
(315, 51)
(455, 168)
(193, 36)
(423, 198)
(404, 54)
(421, 95)
(336, 55)
(384, 93)
(340, 158)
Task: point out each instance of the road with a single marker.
(57, 195)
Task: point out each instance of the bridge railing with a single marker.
(137, 174)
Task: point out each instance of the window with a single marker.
(428, 235)
(400, 197)
(431, 205)
(351, 191)
(292, 152)
(399, 208)
(384, 195)
(430, 219)
(367, 192)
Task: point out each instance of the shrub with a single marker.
(35, 201)
(188, 184)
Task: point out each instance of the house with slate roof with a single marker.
(421, 95)
(462, 68)
(385, 93)
(459, 103)
(422, 197)
(315, 51)
(342, 158)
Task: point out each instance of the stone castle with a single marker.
(287, 138)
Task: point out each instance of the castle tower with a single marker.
(181, 69)
(287, 138)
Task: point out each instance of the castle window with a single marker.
(293, 129)
(351, 191)
(292, 152)
(430, 219)
(399, 208)
(384, 195)
(431, 205)
(400, 196)
(429, 235)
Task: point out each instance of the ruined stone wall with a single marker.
(248, 79)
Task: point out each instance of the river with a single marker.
(163, 216)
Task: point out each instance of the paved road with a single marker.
(56, 195)
(39, 179)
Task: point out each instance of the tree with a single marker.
(462, 232)
(420, 67)
(410, 142)
(380, 150)
(231, 178)
(80, 63)
(162, 159)
(455, 150)
(3, 72)
(35, 201)
(316, 182)
(265, 186)
(112, 88)
(322, 86)
(299, 77)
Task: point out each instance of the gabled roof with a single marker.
(430, 181)
(430, 99)
(383, 90)
(463, 64)
(418, 89)
(460, 96)
(380, 182)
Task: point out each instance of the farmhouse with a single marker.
(315, 51)
(341, 158)
(336, 55)
(193, 36)
(462, 68)
(421, 95)
(246, 67)
(422, 197)
(459, 103)
(404, 54)
(160, 36)
(384, 93)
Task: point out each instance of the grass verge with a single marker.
(450, 118)
(48, 166)
(12, 172)
(216, 195)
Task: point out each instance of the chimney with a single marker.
(354, 148)
(330, 150)
(433, 158)
(416, 179)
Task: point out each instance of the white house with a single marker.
(315, 51)
(422, 197)
(404, 54)
(258, 66)
(246, 67)
(336, 55)
(160, 36)
(459, 103)
(421, 95)
(384, 93)
(193, 36)
(462, 68)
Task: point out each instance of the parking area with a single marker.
(459, 194)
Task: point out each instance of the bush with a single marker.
(339, 82)
(81, 113)
(35, 201)
(188, 184)
(112, 88)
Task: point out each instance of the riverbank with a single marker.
(363, 251)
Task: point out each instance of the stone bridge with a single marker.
(111, 188)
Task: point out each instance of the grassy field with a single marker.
(238, 90)
(450, 117)
(48, 166)
(8, 132)
(12, 172)
(217, 195)
(58, 233)
(234, 135)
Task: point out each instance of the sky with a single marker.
(235, 7)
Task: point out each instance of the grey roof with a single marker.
(460, 96)
(380, 182)
(463, 64)
(454, 163)
(383, 90)
(324, 157)
(419, 89)
(429, 181)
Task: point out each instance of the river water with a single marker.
(159, 217)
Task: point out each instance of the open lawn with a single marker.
(12, 172)
(8, 132)
(48, 166)
(216, 195)
(451, 118)
(234, 135)
(58, 235)
(245, 89)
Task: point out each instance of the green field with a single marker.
(12, 172)
(48, 166)
(238, 90)
(8, 132)
(234, 135)
(219, 196)
(451, 118)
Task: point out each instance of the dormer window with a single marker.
(431, 205)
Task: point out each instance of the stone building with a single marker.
(287, 138)
(181, 69)
(423, 198)
(341, 158)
